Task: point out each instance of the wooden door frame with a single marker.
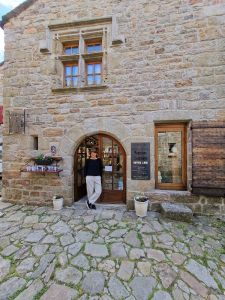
(100, 136)
(172, 127)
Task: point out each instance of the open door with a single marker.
(114, 173)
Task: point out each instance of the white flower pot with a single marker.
(57, 203)
(141, 208)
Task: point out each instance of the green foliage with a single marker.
(42, 159)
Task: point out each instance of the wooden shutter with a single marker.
(208, 140)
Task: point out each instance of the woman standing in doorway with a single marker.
(93, 173)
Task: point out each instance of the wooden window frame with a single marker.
(72, 64)
(93, 42)
(71, 45)
(173, 127)
(82, 59)
(95, 62)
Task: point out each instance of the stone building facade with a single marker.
(116, 74)
(1, 82)
(1, 120)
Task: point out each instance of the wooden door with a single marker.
(114, 174)
(114, 168)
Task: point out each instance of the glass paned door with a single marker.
(170, 150)
(107, 159)
(113, 180)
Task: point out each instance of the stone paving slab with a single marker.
(109, 254)
(4, 205)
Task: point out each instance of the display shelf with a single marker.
(43, 169)
(43, 172)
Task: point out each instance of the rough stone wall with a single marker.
(1, 94)
(170, 67)
(1, 126)
(1, 82)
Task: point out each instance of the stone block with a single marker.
(58, 118)
(183, 83)
(197, 208)
(155, 206)
(103, 102)
(53, 132)
(185, 198)
(214, 200)
(130, 204)
(211, 209)
(148, 106)
(177, 212)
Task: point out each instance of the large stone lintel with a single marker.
(78, 23)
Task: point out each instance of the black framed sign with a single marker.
(140, 161)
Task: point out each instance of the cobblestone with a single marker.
(87, 255)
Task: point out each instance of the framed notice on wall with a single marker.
(140, 161)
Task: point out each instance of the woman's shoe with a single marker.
(93, 206)
(89, 205)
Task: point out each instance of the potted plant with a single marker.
(141, 205)
(42, 159)
(57, 202)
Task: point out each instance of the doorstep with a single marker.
(82, 204)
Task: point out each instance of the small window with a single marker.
(35, 142)
(71, 75)
(94, 46)
(71, 49)
(94, 73)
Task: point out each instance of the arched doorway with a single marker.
(114, 173)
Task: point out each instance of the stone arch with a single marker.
(77, 133)
(74, 136)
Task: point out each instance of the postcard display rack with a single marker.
(53, 168)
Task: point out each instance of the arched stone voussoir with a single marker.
(77, 133)
(111, 126)
(66, 147)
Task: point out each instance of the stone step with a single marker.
(82, 205)
(178, 212)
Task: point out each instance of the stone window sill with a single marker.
(79, 89)
(92, 56)
(68, 58)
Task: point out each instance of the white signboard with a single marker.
(108, 168)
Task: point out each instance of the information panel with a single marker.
(140, 161)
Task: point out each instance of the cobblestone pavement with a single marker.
(108, 254)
